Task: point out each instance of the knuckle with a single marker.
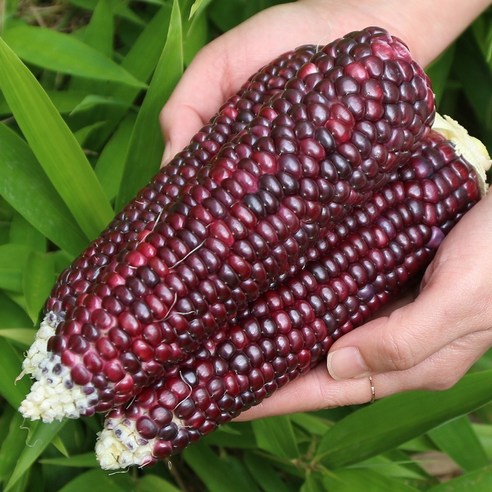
(440, 382)
(397, 352)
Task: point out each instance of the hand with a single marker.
(222, 66)
(429, 343)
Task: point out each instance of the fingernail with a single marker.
(346, 363)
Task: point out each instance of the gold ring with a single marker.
(373, 390)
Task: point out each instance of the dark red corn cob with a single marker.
(374, 254)
(337, 133)
(140, 216)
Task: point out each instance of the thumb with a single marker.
(179, 123)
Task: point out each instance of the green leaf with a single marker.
(54, 145)
(87, 460)
(264, 474)
(12, 446)
(110, 165)
(146, 145)
(39, 439)
(23, 336)
(458, 439)
(348, 480)
(198, 7)
(219, 474)
(313, 482)
(153, 483)
(64, 101)
(476, 481)
(63, 53)
(37, 282)
(99, 31)
(95, 481)
(399, 418)
(276, 436)
(12, 315)
(22, 232)
(439, 72)
(13, 258)
(312, 424)
(12, 390)
(21, 178)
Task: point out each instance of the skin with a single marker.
(428, 340)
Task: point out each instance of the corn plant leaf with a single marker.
(152, 483)
(39, 438)
(484, 434)
(99, 31)
(12, 446)
(459, 441)
(276, 436)
(23, 336)
(119, 8)
(63, 53)
(97, 481)
(37, 282)
(399, 418)
(198, 7)
(146, 144)
(239, 435)
(220, 474)
(13, 259)
(54, 145)
(313, 483)
(60, 445)
(21, 178)
(87, 460)
(13, 391)
(476, 78)
(348, 480)
(314, 425)
(110, 165)
(22, 232)
(64, 101)
(476, 481)
(264, 474)
(439, 72)
(151, 42)
(12, 316)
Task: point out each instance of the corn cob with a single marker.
(373, 254)
(140, 216)
(337, 133)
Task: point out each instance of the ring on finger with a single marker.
(373, 390)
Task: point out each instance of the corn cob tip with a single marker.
(38, 351)
(119, 445)
(54, 396)
(472, 149)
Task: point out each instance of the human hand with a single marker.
(397, 362)
(428, 343)
(221, 67)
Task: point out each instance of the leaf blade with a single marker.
(54, 145)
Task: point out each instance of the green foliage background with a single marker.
(78, 136)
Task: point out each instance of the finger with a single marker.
(443, 312)
(318, 390)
